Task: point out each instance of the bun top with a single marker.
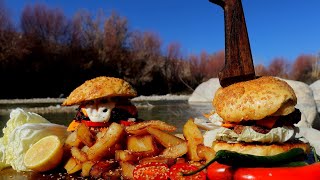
(100, 87)
(255, 99)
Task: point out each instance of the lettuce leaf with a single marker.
(275, 135)
(22, 130)
(23, 137)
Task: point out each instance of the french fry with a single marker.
(138, 132)
(175, 151)
(165, 139)
(112, 136)
(126, 155)
(86, 168)
(145, 143)
(78, 154)
(85, 135)
(205, 152)
(72, 166)
(72, 141)
(85, 149)
(180, 136)
(110, 153)
(112, 175)
(194, 137)
(140, 128)
(141, 144)
(101, 132)
(127, 170)
(158, 159)
(100, 167)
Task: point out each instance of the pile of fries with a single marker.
(115, 151)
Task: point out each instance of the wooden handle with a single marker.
(238, 59)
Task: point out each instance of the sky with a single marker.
(276, 28)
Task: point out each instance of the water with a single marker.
(174, 112)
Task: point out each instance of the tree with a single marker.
(144, 62)
(145, 45)
(173, 51)
(302, 68)
(176, 71)
(47, 36)
(261, 70)
(87, 43)
(47, 25)
(5, 21)
(316, 67)
(114, 38)
(86, 30)
(171, 67)
(207, 65)
(279, 67)
(215, 64)
(10, 48)
(197, 68)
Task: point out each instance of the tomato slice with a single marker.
(268, 122)
(126, 123)
(95, 124)
(228, 124)
(175, 172)
(151, 170)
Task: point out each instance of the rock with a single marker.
(306, 104)
(316, 93)
(205, 91)
(306, 101)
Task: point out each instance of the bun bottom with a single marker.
(259, 149)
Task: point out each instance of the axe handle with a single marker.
(238, 59)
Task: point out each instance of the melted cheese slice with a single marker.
(99, 113)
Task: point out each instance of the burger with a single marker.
(102, 100)
(256, 117)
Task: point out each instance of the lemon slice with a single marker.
(45, 154)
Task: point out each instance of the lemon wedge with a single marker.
(45, 154)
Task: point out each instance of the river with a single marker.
(175, 112)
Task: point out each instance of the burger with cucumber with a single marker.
(257, 117)
(102, 100)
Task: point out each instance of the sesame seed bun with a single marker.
(100, 87)
(255, 99)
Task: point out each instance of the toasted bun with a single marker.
(100, 87)
(255, 99)
(258, 149)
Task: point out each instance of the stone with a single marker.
(205, 91)
(306, 104)
(316, 93)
